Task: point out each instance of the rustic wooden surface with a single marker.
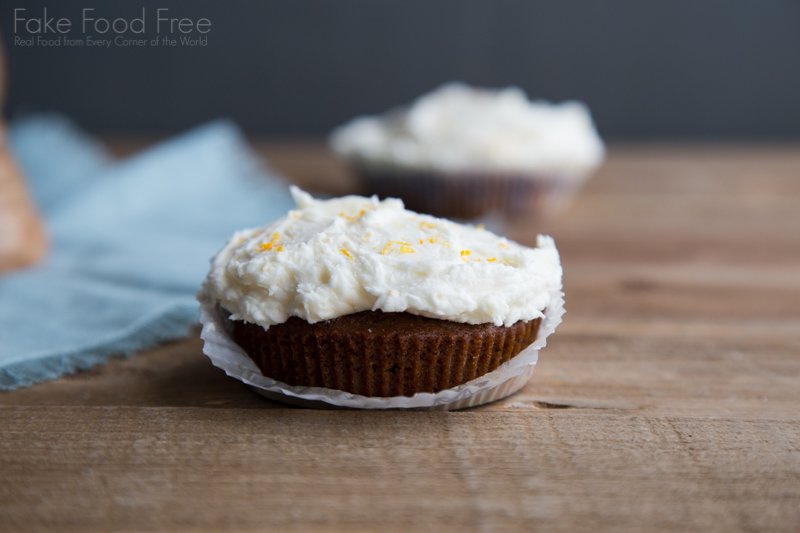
(669, 399)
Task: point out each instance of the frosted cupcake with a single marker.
(461, 152)
(360, 295)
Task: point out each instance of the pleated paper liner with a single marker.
(467, 196)
(506, 379)
(487, 396)
(372, 353)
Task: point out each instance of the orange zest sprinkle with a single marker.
(405, 248)
(426, 225)
(492, 259)
(463, 253)
(421, 241)
(345, 253)
(503, 245)
(437, 241)
(430, 239)
(359, 215)
(267, 246)
(279, 249)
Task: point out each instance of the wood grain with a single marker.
(669, 399)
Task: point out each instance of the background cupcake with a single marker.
(461, 152)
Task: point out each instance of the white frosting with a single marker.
(460, 128)
(329, 258)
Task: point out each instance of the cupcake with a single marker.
(363, 296)
(461, 152)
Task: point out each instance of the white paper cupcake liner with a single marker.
(507, 379)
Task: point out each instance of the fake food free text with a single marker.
(92, 22)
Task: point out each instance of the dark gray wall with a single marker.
(648, 69)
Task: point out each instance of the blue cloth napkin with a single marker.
(130, 242)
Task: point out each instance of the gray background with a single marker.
(647, 69)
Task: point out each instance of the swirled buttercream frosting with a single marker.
(329, 258)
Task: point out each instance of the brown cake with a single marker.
(463, 195)
(372, 353)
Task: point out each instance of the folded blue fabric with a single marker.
(130, 242)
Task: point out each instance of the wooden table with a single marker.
(669, 399)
